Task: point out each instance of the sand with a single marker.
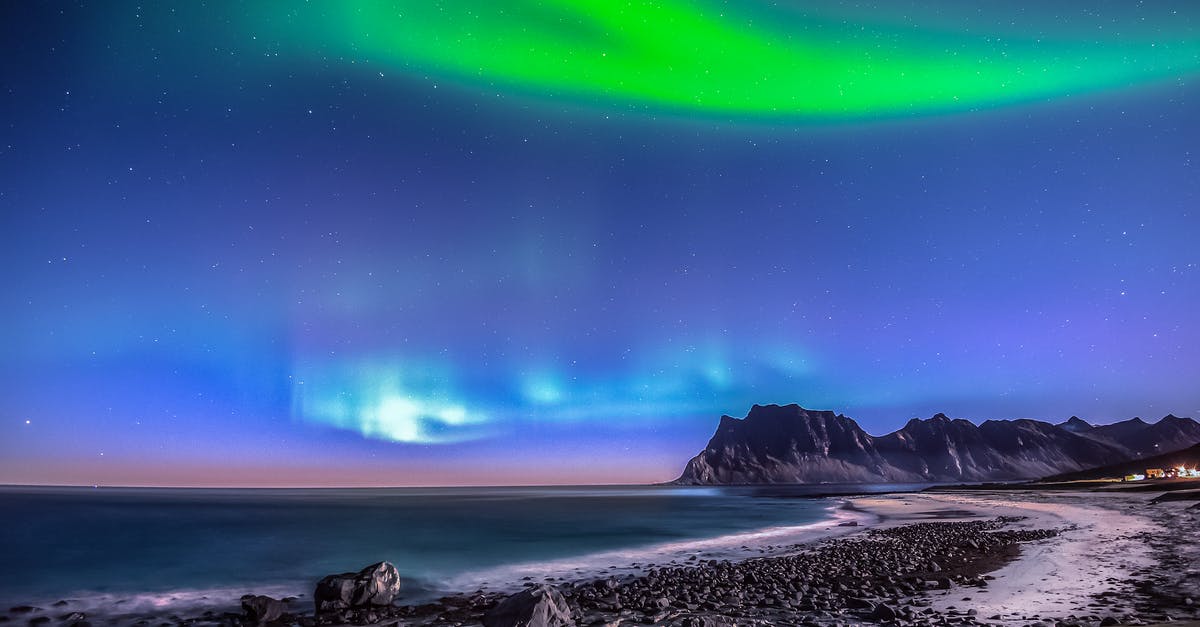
(1109, 543)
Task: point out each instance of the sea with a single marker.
(154, 550)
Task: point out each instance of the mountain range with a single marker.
(790, 444)
(1188, 458)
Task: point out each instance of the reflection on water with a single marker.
(124, 541)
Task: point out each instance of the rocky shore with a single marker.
(919, 573)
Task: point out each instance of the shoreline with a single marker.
(997, 557)
(1058, 577)
(843, 519)
(634, 560)
(1120, 555)
(873, 574)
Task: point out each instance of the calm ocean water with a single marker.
(173, 547)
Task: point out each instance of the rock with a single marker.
(262, 609)
(857, 603)
(540, 606)
(883, 611)
(377, 584)
(1109, 621)
(708, 621)
(839, 582)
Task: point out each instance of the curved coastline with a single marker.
(843, 519)
(1098, 550)
(630, 560)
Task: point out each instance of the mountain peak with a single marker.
(1075, 424)
(758, 448)
(772, 412)
(771, 408)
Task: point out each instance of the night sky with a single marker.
(552, 242)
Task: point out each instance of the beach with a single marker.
(1116, 555)
(1002, 558)
(1010, 557)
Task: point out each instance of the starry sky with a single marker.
(391, 243)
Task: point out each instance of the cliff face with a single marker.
(789, 444)
(774, 444)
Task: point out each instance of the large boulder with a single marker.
(262, 609)
(377, 584)
(541, 606)
(883, 612)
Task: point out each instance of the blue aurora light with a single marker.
(243, 247)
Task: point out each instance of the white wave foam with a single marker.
(185, 602)
(190, 602)
(741, 545)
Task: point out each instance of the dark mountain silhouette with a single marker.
(789, 444)
(1188, 458)
(1076, 425)
(1143, 440)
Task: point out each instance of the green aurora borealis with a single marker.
(743, 62)
(417, 243)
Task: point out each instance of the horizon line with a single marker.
(4, 486)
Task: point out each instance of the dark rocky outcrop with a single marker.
(786, 445)
(375, 585)
(789, 444)
(540, 606)
(262, 609)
